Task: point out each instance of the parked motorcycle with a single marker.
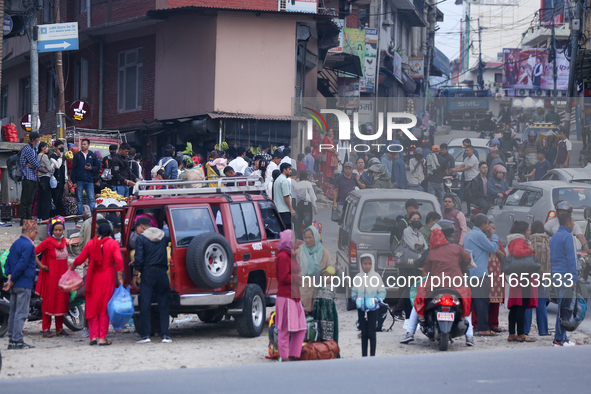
(444, 319)
(74, 320)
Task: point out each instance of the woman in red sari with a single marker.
(105, 256)
(332, 161)
(53, 265)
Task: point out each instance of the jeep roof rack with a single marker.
(142, 187)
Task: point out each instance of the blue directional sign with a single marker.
(58, 37)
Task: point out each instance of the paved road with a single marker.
(493, 371)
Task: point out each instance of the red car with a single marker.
(223, 243)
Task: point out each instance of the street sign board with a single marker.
(26, 123)
(7, 25)
(58, 37)
(79, 110)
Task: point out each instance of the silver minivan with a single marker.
(367, 220)
(535, 201)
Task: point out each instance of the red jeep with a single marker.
(223, 242)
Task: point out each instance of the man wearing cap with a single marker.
(29, 164)
(398, 171)
(436, 167)
(343, 185)
(20, 271)
(151, 261)
(282, 194)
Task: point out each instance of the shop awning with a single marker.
(228, 115)
(344, 62)
(440, 64)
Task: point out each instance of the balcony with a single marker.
(540, 32)
(412, 11)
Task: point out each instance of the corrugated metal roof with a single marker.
(227, 115)
(195, 8)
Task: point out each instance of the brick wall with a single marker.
(113, 119)
(352, 20)
(120, 10)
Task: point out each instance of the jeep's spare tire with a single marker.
(209, 260)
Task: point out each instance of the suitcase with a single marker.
(325, 350)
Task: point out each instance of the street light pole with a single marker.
(34, 74)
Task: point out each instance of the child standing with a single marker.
(368, 291)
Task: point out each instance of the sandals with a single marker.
(512, 338)
(62, 333)
(93, 342)
(47, 334)
(525, 338)
(497, 330)
(486, 334)
(108, 343)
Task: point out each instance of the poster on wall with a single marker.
(397, 66)
(341, 24)
(354, 43)
(367, 83)
(366, 115)
(530, 69)
(416, 67)
(348, 92)
(310, 6)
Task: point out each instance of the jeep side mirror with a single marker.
(499, 202)
(587, 213)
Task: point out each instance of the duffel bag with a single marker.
(325, 350)
(520, 265)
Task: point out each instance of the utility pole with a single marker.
(554, 67)
(432, 20)
(1, 41)
(61, 105)
(480, 64)
(34, 72)
(575, 32)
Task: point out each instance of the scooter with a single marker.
(74, 320)
(444, 319)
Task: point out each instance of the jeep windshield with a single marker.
(189, 222)
(380, 216)
(578, 197)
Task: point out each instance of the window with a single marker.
(531, 197)
(4, 102)
(380, 216)
(83, 6)
(48, 11)
(25, 96)
(130, 80)
(189, 222)
(52, 91)
(498, 78)
(246, 224)
(271, 219)
(514, 197)
(81, 82)
(578, 197)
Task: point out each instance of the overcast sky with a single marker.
(447, 38)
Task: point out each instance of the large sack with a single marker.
(325, 350)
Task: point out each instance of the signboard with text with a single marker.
(58, 37)
(368, 82)
(79, 110)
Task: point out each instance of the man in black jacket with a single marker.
(122, 177)
(61, 175)
(152, 262)
(478, 188)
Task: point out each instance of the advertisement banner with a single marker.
(354, 43)
(416, 67)
(302, 6)
(365, 114)
(397, 66)
(367, 83)
(348, 93)
(530, 69)
(341, 24)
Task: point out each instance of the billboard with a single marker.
(529, 69)
(354, 43)
(416, 67)
(341, 24)
(368, 82)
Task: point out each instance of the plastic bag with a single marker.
(573, 308)
(70, 281)
(120, 308)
